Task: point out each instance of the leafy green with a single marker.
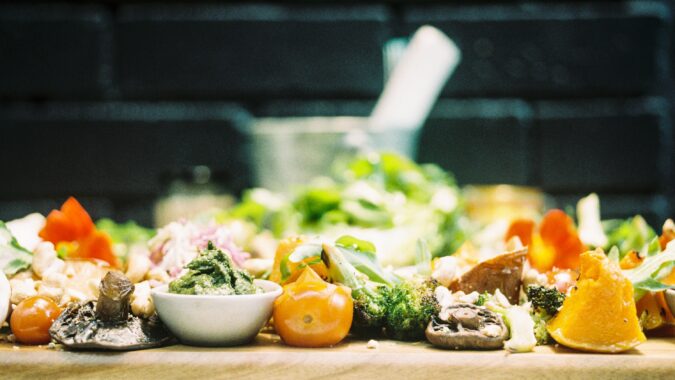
(381, 301)
(267, 210)
(645, 277)
(359, 245)
(628, 235)
(127, 233)
(13, 257)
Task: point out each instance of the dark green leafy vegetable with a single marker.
(212, 273)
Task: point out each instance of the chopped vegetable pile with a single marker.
(382, 249)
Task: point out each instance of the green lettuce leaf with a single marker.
(13, 257)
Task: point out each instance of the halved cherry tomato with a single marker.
(32, 318)
(312, 312)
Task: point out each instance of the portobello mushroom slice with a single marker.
(503, 272)
(107, 323)
(467, 327)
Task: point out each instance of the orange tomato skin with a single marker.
(313, 313)
(32, 318)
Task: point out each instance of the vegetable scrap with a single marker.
(382, 250)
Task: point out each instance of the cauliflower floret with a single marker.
(22, 289)
(139, 265)
(45, 260)
(141, 300)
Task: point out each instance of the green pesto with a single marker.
(212, 273)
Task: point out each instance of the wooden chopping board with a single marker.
(267, 357)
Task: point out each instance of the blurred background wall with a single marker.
(104, 100)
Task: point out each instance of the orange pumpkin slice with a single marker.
(600, 314)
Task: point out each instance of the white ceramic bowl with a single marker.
(216, 320)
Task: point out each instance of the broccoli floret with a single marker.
(545, 305)
(548, 300)
(409, 308)
(540, 332)
(369, 300)
(369, 311)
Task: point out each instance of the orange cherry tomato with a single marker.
(312, 312)
(32, 318)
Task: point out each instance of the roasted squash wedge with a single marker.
(600, 314)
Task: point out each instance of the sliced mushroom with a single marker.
(107, 323)
(503, 272)
(466, 326)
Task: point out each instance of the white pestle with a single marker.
(416, 81)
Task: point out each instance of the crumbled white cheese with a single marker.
(445, 270)
(373, 344)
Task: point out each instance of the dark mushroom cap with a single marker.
(465, 326)
(106, 324)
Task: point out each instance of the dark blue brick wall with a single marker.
(553, 50)
(250, 50)
(115, 149)
(99, 99)
(54, 51)
(602, 145)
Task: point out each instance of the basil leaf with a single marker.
(351, 242)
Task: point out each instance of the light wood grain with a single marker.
(269, 358)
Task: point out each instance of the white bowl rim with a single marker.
(273, 289)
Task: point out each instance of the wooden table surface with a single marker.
(268, 358)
